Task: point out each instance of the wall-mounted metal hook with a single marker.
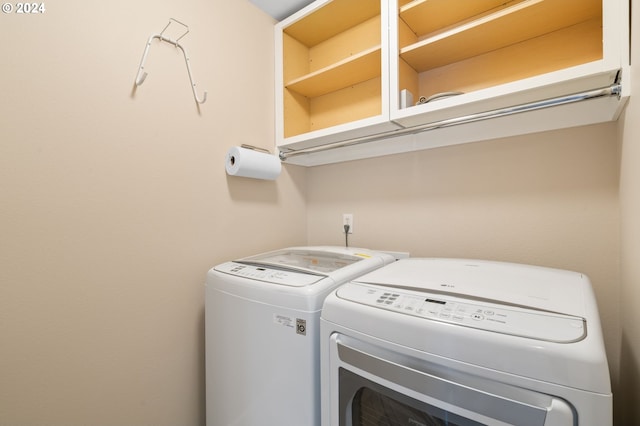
(167, 26)
(142, 74)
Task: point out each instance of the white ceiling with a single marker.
(280, 9)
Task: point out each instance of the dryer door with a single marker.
(378, 387)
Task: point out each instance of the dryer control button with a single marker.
(477, 317)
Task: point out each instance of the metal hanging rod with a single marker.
(614, 90)
(142, 74)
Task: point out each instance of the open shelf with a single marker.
(342, 67)
(332, 65)
(427, 16)
(576, 45)
(332, 19)
(360, 67)
(353, 103)
(515, 24)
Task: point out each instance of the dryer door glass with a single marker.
(375, 405)
(382, 388)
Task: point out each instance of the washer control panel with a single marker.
(506, 319)
(269, 274)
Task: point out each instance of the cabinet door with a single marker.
(332, 73)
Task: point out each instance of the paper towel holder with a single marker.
(255, 148)
(251, 147)
(252, 162)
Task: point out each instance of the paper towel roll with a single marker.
(252, 164)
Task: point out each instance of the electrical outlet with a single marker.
(347, 219)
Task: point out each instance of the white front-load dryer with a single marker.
(459, 342)
(262, 325)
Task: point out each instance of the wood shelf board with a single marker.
(296, 109)
(426, 16)
(353, 70)
(553, 52)
(295, 58)
(331, 19)
(506, 27)
(408, 79)
(357, 39)
(347, 105)
(358, 102)
(406, 36)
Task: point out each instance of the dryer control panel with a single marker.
(495, 317)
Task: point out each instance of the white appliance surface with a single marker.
(531, 329)
(534, 287)
(262, 329)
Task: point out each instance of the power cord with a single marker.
(346, 235)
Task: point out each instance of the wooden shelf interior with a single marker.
(353, 70)
(301, 61)
(332, 66)
(353, 103)
(505, 44)
(332, 19)
(515, 24)
(427, 16)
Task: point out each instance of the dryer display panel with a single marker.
(506, 319)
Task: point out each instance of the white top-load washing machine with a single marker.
(464, 342)
(262, 325)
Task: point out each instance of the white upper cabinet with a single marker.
(357, 79)
(332, 73)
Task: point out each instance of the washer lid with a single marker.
(312, 262)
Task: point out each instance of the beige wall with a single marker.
(114, 204)
(629, 132)
(630, 292)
